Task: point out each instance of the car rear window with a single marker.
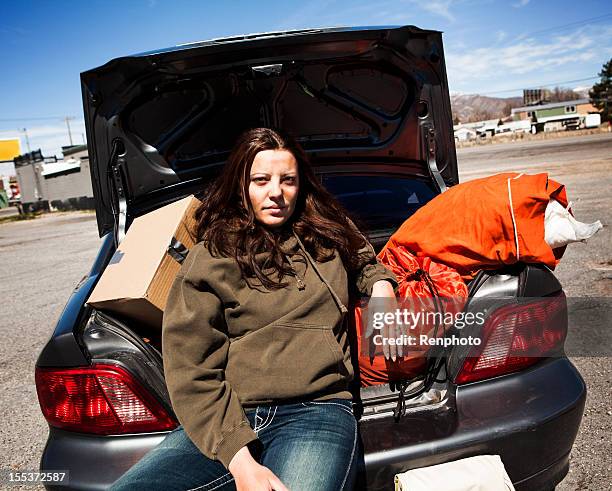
(380, 202)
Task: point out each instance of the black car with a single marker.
(371, 108)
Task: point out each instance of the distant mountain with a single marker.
(473, 107)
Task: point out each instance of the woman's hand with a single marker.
(386, 300)
(249, 475)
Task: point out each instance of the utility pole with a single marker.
(67, 119)
(25, 132)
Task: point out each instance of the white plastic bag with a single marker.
(561, 228)
(480, 473)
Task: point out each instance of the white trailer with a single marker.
(592, 120)
(521, 126)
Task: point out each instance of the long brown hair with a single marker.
(228, 227)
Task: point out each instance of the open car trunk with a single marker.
(370, 106)
(163, 122)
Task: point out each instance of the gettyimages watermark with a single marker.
(551, 326)
(408, 322)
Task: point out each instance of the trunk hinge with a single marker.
(118, 202)
(429, 143)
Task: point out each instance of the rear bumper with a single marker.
(94, 462)
(531, 419)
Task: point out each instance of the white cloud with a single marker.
(500, 36)
(520, 3)
(438, 7)
(384, 12)
(403, 10)
(522, 59)
(49, 138)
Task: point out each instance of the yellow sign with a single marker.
(9, 149)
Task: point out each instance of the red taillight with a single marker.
(101, 399)
(515, 337)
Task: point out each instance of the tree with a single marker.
(481, 115)
(601, 93)
(561, 94)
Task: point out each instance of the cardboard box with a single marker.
(136, 282)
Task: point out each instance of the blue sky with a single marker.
(493, 47)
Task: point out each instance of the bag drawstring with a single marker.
(422, 275)
(400, 409)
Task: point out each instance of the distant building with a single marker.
(566, 113)
(77, 152)
(470, 131)
(520, 126)
(477, 124)
(464, 134)
(532, 97)
(28, 168)
(64, 184)
(489, 128)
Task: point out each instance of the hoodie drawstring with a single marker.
(300, 283)
(334, 295)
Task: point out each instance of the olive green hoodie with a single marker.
(228, 345)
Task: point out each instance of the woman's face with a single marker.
(273, 186)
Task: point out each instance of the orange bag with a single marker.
(485, 223)
(420, 280)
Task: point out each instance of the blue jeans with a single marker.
(309, 445)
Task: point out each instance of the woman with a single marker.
(256, 353)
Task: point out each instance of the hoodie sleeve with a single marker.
(370, 269)
(195, 346)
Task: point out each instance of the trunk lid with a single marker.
(162, 121)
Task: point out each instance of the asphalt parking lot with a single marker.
(42, 260)
(584, 165)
